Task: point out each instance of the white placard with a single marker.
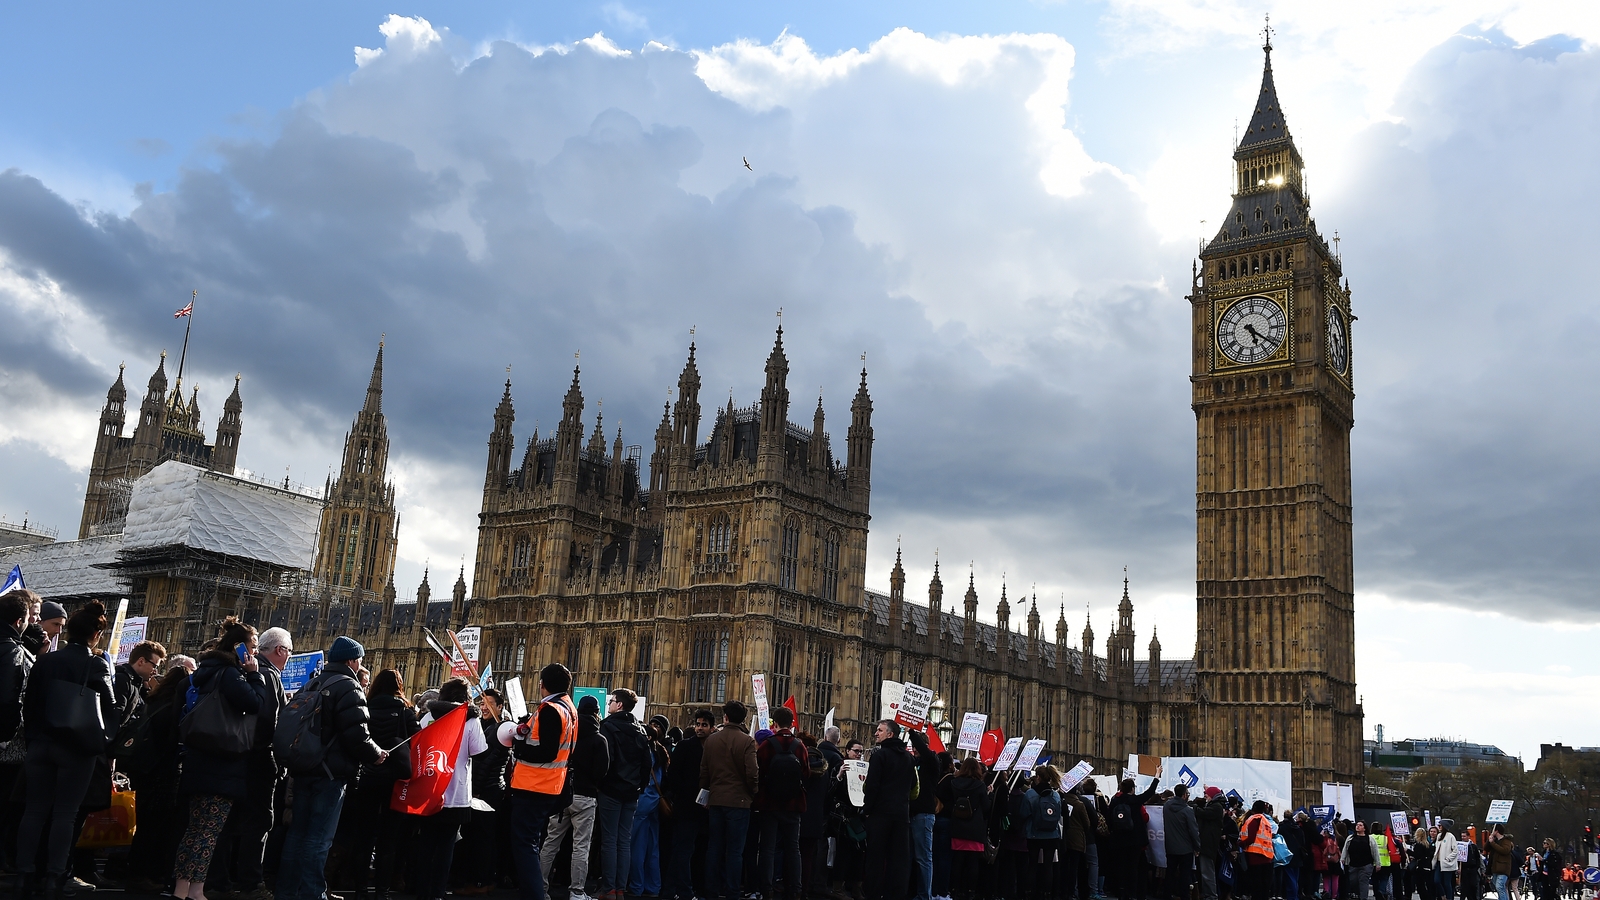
(132, 633)
(758, 682)
(827, 720)
(1008, 754)
(1499, 811)
(1076, 775)
(115, 650)
(972, 727)
(514, 699)
(855, 780)
(1156, 830)
(890, 704)
(1029, 757)
(915, 701)
(639, 707)
(469, 638)
(1341, 797)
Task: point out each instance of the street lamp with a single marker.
(940, 724)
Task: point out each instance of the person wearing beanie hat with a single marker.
(589, 764)
(589, 706)
(319, 792)
(1211, 816)
(52, 618)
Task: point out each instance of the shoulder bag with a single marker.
(215, 726)
(74, 716)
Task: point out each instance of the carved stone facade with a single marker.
(1273, 391)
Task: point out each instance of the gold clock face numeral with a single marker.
(1252, 330)
(1338, 342)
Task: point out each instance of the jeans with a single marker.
(1447, 884)
(616, 844)
(780, 838)
(644, 866)
(1091, 868)
(1180, 876)
(530, 816)
(579, 819)
(686, 828)
(305, 848)
(922, 855)
(1208, 878)
(725, 850)
(1500, 886)
(55, 778)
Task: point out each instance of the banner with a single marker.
(758, 683)
(935, 742)
(1008, 754)
(599, 695)
(1324, 817)
(433, 761)
(972, 725)
(1076, 775)
(301, 668)
(1158, 836)
(915, 701)
(132, 633)
(1029, 757)
(1251, 779)
(989, 750)
(889, 706)
(855, 780)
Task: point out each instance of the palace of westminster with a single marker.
(742, 548)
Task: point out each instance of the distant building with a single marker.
(1405, 757)
(25, 535)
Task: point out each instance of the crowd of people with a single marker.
(245, 792)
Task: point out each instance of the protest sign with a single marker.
(1029, 757)
(132, 633)
(855, 780)
(599, 695)
(1341, 797)
(1157, 832)
(1499, 811)
(301, 668)
(1324, 816)
(116, 631)
(464, 661)
(1008, 754)
(889, 705)
(515, 702)
(758, 683)
(1398, 822)
(827, 720)
(639, 708)
(1076, 775)
(972, 725)
(915, 701)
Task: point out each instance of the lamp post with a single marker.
(940, 723)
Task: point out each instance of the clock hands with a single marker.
(1258, 336)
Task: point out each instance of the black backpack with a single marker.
(298, 741)
(962, 808)
(784, 779)
(138, 748)
(1125, 819)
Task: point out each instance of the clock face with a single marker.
(1338, 342)
(1252, 330)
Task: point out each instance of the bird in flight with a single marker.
(747, 163)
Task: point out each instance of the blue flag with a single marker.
(13, 581)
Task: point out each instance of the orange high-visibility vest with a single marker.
(549, 777)
(1262, 844)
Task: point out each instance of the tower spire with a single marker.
(374, 402)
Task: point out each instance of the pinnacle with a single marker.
(1267, 122)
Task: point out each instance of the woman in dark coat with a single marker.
(59, 763)
(966, 804)
(214, 781)
(393, 721)
(155, 843)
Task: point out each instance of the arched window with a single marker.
(521, 551)
(830, 567)
(361, 458)
(717, 541)
(789, 564)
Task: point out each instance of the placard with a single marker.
(639, 706)
(299, 669)
(1399, 823)
(972, 726)
(1324, 816)
(1008, 754)
(515, 702)
(915, 701)
(889, 705)
(1499, 811)
(467, 641)
(132, 633)
(1156, 831)
(1029, 757)
(1341, 797)
(855, 780)
(115, 651)
(758, 682)
(1076, 775)
(599, 695)
(827, 720)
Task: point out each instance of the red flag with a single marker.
(433, 761)
(186, 311)
(791, 706)
(934, 743)
(994, 740)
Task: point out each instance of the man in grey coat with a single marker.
(1183, 842)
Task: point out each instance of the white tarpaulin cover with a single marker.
(1251, 779)
(178, 504)
(68, 568)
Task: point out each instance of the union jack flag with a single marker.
(186, 311)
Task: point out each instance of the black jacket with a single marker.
(630, 756)
(890, 774)
(15, 662)
(682, 784)
(927, 763)
(125, 684)
(489, 767)
(391, 721)
(273, 702)
(345, 723)
(210, 773)
(1138, 837)
(1210, 816)
(976, 826)
(71, 663)
(591, 759)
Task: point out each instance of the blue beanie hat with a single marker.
(345, 649)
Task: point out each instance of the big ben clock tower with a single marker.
(1272, 393)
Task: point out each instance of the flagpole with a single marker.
(188, 324)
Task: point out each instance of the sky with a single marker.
(997, 204)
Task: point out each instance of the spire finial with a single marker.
(1266, 34)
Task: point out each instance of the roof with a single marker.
(1173, 671)
(955, 627)
(182, 505)
(69, 568)
(1266, 123)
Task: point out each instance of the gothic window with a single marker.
(822, 682)
(574, 654)
(502, 656)
(952, 692)
(522, 655)
(1258, 214)
(876, 689)
(521, 549)
(708, 666)
(361, 458)
(717, 541)
(830, 567)
(608, 654)
(988, 700)
(1047, 715)
(782, 659)
(1142, 725)
(1017, 714)
(435, 672)
(642, 665)
(1074, 710)
(1100, 731)
(789, 564)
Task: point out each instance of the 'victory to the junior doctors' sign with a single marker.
(915, 701)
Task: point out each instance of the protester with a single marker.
(590, 761)
(1501, 847)
(1551, 865)
(488, 787)
(66, 710)
(541, 745)
(132, 677)
(1128, 823)
(729, 776)
(966, 802)
(436, 838)
(1044, 829)
(52, 618)
(1358, 860)
(682, 787)
(814, 821)
(214, 779)
(1208, 816)
(1446, 863)
(1182, 832)
(891, 775)
(382, 834)
(1255, 839)
(619, 790)
(780, 802)
(922, 814)
(237, 866)
(16, 661)
(161, 818)
(319, 792)
(644, 878)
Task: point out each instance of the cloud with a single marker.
(923, 201)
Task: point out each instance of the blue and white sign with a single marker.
(1188, 777)
(301, 668)
(1323, 815)
(1591, 875)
